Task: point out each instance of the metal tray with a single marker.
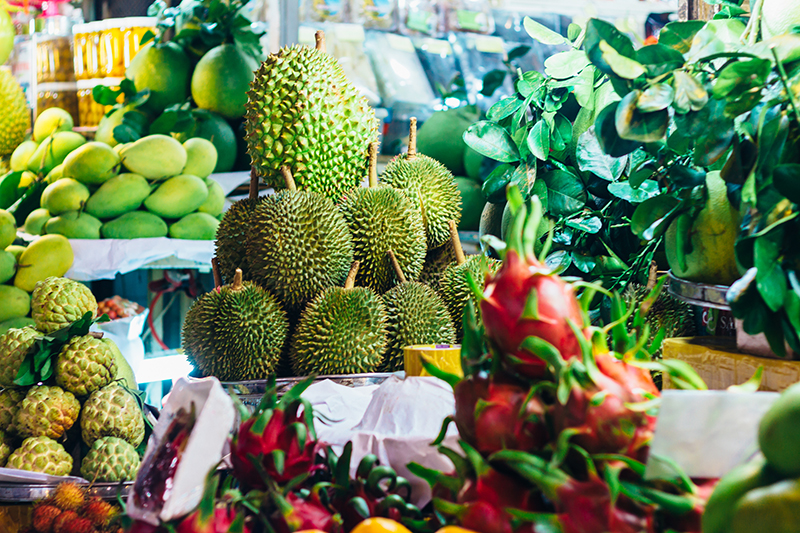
(701, 294)
(251, 392)
(21, 493)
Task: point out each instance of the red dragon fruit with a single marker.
(278, 437)
(599, 410)
(299, 514)
(221, 520)
(494, 414)
(524, 299)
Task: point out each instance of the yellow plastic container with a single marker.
(120, 40)
(60, 94)
(54, 59)
(80, 50)
(443, 356)
(89, 111)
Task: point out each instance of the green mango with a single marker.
(56, 174)
(8, 229)
(74, 225)
(177, 197)
(771, 509)
(119, 195)
(779, 433)
(36, 220)
(156, 157)
(15, 250)
(215, 202)
(16, 303)
(201, 157)
(93, 163)
(22, 154)
(52, 120)
(718, 514)
(64, 195)
(50, 255)
(8, 266)
(16, 323)
(54, 150)
(134, 225)
(196, 227)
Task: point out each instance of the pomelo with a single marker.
(165, 70)
(221, 80)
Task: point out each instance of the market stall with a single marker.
(438, 266)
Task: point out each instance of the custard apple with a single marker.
(112, 412)
(110, 459)
(14, 346)
(46, 412)
(41, 454)
(58, 302)
(10, 400)
(84, 365)
(6, 446)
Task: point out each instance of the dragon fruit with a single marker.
(493, 413)
(278, 438)
(220, 520)
(524, 298)
(295, 513)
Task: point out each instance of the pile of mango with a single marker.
(153, 187)
(763, 495)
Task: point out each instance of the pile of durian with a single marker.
(325, 276)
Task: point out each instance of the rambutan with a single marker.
(43, 516)
(61, 520)
(78, 525)
(99, 512)
(69, 497)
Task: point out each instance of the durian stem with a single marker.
(412, 139)
(237, 280)
(287, 176)
(652, 276)
(460, 257)
(373, 165)
(215, 270)
(350, 282)
(253, 183)
(396, 266)
(96, 334)
(320, 39)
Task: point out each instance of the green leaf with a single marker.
(566, 193)
(741, 76)
(542, 33)
(689, 94)
(592, 158)
(518, 52)
(9, 189)
(494, 187)
(584, 263)
(589, 224)
(561, 133)
(600, 30)
(607, 136)
(770, 278)
(651, 217)
(659, 59)
(566, 64)
(622, 66)
(634, 125)
(492, 81)
(529, 83)
(539, 140)
(655, 98)
(491, 140)
(717, 135)
(622, 189)
(679, 35)
(504, 108)
(786, 179)
(558, 261)
(104, 95)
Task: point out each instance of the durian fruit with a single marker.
(14, 346)
(299, 245)
(112, 412)
(43, 455)
(417, 315)
(236, 332)
(436, 261)
(10, 400)
(46, 412)
(341, 331)
(454, 286)
(15, 119)
(58, 302)
(676, 317)
(303, 113)
(110, 459)
(231, 244)
(84, 365)
(429, 185)
(6, 446)
(381, 219)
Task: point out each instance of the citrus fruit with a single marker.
(216, 129)
(779, 433)
(221, 80)
(164, 69)
(713, 234)
(779, 16)
(472, 202)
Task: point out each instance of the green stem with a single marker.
(753, 25)
(785, 82)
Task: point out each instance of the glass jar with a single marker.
(94, 29)
(54, 59)
(90, 112)
(133, 32)
(63, 95)
(120, 40)
(80, 50)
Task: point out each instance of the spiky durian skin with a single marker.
(383, 219)
(235, 334)
(231, 243)
(303, 113)
(676, 317)
(436, 261)
(455, 289)
(432, 188)
(15, 119)
(417, 315)
(299, 246)
(342, 331)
